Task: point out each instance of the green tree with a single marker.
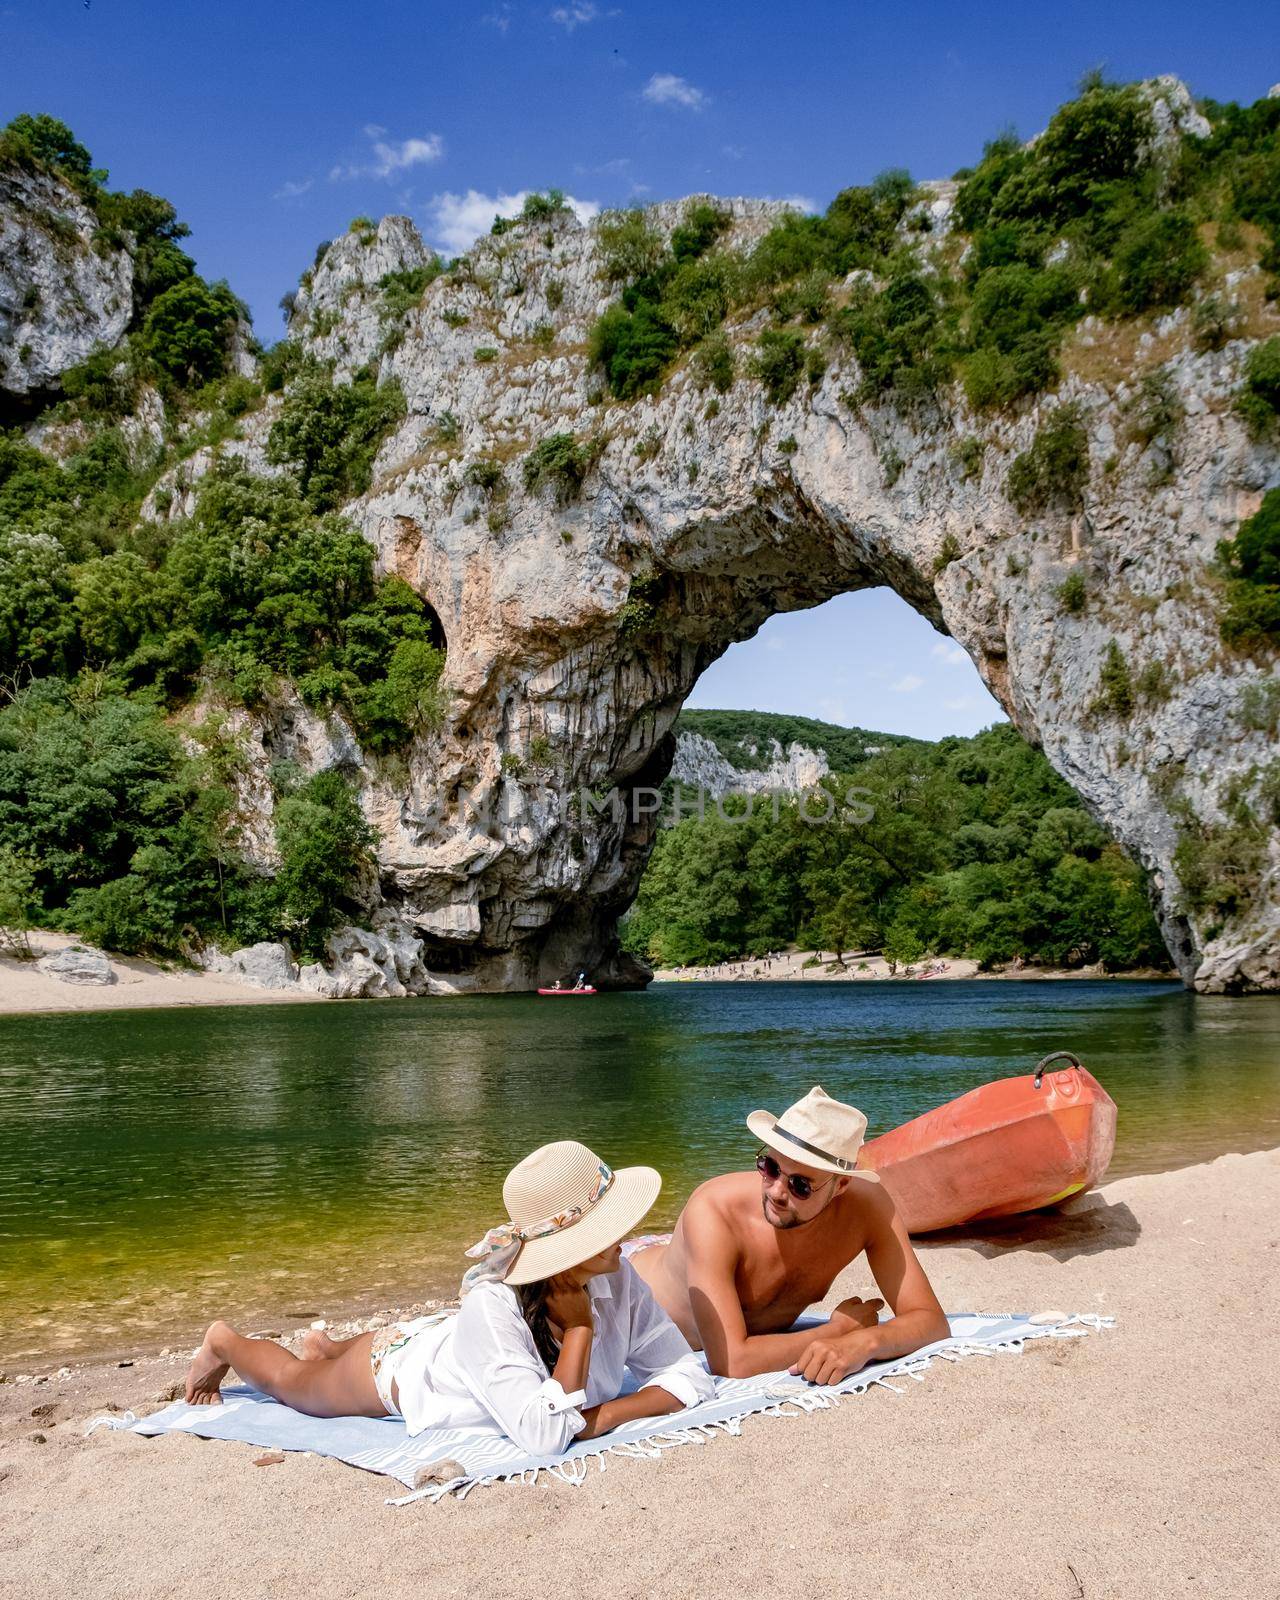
(326, 847)
(37, 625)
(187, 332)
(329, 433)
(44, 139)
(1252, 562)
(18, 902)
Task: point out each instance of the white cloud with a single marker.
(575, 16)
(499, 19)
(290, 190)
(798, 202)
(456, 221)
(666, 89)
(388, 159)
(950, 652)
(907, 685)
(608, 169)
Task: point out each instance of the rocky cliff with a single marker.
(579, 616)
(60, 298)
(576, 630)
(700, 765)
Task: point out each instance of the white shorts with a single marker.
(387, 1352)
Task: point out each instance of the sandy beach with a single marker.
(809, 966)
(138, 983)
(1140, 1461)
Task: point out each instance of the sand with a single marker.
(794, 966)
(1136, 1462)
(23, 988)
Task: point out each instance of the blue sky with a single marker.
(866, 660)
(270, 126)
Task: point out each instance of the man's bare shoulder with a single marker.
(872, 1204)
(717, 1208)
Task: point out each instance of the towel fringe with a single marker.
(788, 1403)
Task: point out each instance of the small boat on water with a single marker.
(1013, 1145)
(586, 989)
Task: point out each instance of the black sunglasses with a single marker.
(800, 1186)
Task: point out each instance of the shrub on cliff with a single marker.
(558, 462)
(1252, 562)
(699, 229)
(187, 332)
(1093, 147)
(402, 291)
(897, 337)
(404, 702)
(1053, 472)
(634, 348)
(713, 363)
(778, 363)
(629, 248)
(329, 433)
(42, 140)
(1259, 399)
(539, 207)
(325, 848)
(1157, 263)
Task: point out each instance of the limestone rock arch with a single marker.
(576, 627)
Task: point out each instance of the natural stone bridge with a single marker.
(576, 630)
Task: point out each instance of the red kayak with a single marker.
(586, 989)
(1010, 1146)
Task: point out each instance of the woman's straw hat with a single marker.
(567, 1205)
(818, 1132)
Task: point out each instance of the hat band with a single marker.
(794, 1138)
(501, 1245)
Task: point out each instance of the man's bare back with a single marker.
(747, 1257)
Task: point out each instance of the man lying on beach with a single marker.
(751, 1250)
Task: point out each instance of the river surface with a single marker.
(160, 1168)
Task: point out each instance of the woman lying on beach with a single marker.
(551, 1316)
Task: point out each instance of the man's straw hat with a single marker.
(565, 1206)
(818, 1132)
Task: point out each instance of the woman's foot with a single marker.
(318, 1346)
(205, 1374)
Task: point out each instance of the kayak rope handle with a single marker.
(1057, 1055)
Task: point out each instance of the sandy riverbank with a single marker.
(24, 988)
(795, 966)
(1136, 1462)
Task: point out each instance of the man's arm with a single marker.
(732, 1352)
(917, 1319)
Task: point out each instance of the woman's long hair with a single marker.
(533, 1307)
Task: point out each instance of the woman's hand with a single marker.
(568, 1304)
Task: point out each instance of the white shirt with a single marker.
(481, 1366)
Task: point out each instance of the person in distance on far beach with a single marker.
(751, 1250)
(551, 1318)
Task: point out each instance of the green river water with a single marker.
(273, 1164)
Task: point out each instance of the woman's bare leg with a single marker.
(341, 1387)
